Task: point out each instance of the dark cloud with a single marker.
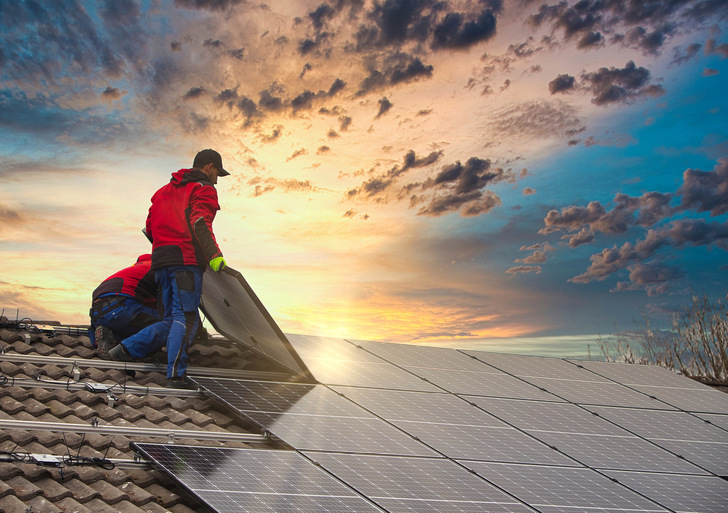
(620, 85)
(562, 83)
(643, 24)
(701, 192)
(462, 187)
(590, 40)
(455, 32)
(706, 191)
(112, 93)
(384, 106)
(194, 93)
(336, 87)
(378, 184)
(399, 68)
(344, 123)
(209, 5)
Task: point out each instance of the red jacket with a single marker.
(180, 221)
(136, 281)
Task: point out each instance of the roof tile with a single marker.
(109, 493)
(59, 409)
(10, 336)
(163, 495)
(53, 490)
(10, 405)
(181, 508)
(42, 505)
(16, 392)
(70, 504)
(138, 496)
(5, 489)
(11, 503)
(24, 489)
(81, 491)
(35, 407)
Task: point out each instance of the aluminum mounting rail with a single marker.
(142, 367)
(116, 388)
(109, 429)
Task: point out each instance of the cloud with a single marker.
(384, 106)
(562, 83)
(209, 5)
(537, 119)
(262, 185)
(706, 191)
(376, 186)
(455, 32)
(524, 269)
(713, 48)
(701, 192)
(461, 187)
(620, 85)
(395, 69)
(690, 51)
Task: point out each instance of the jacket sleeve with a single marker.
(203, 207)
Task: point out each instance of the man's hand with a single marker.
(218, 264)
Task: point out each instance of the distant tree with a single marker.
(694, 343)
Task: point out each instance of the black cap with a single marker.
(209, 157)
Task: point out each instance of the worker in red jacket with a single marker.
(123, 304)
(183, 245)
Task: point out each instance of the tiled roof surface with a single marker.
(29, 488)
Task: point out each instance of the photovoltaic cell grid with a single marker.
(254, 481)
(563, 489)
(235, 311)
(454, 427)
(410, 394)
(312, 417)
(665, 385)
(338, 362)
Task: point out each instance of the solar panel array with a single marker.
(402, 428)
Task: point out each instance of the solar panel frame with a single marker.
(624, 452)
(706, 400)
(394, 477)
(598, 393)
(536, 366)
(571, 489)
(366, 374)
(408, 355)
(661, 424)
(633, 374)
(319, 420)
(543, 416)
(454, 426)
(282, 481)
(235, 311)
(488, 384)
(680, 493)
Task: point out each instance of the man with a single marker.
(183, 244)
(123, 304)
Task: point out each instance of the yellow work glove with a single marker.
(218, 264)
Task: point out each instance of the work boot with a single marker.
(105, 341)
(180, 383)
(118, 353)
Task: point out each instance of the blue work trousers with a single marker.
(180, 288)
(123, 315)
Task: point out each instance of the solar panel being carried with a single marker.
(234, 310)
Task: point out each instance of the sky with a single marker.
(525, 176)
